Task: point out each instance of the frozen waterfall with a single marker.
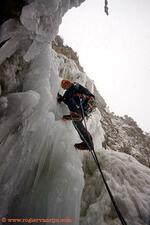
(40, 173)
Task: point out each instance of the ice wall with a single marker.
(129, 182)
(40, 173)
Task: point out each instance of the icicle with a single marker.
(106, 7)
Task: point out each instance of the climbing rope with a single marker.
(122, 220)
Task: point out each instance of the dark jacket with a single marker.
(73, 92)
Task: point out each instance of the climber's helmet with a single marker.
(65, 84)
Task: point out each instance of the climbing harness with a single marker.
(90, 106)
(89, 102)
(122, 220)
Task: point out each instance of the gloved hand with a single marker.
(59, 98)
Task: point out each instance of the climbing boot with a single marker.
(73, 116)
(66, 117)
(81, 146)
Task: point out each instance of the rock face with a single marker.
(123, 134)
(59, 47)
(11, 9)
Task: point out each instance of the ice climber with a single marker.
(80, 102)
